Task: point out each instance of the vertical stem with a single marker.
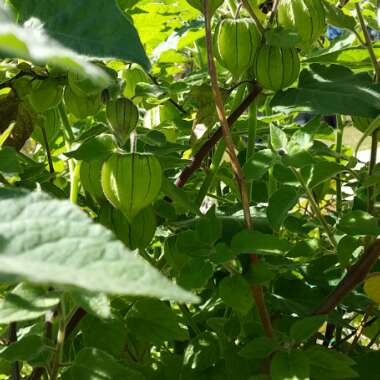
(339, 142)
(372, 163)
(66, 124)
(12, 335)
(58, 356)
(257, 289)
(252, 131)
(74, 185)
(273, 13)
(368, 43)
(315, 207)
(252, 13)
(47, 148)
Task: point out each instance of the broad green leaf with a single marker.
(235, 292)
(290, 366)
(258, 164)
(189, 244)
(31, 42)
(258, 348)
(257, 242)
(348, 248)
(94, 364)
(320, 172)
(154, 321)
(9, 162)
(25, 302)
(331, 90)
(304, 328)
(100, 30)
(329, 364)
(48, 241)
(359, 222)
(283, 38)
(107, 335)
(195, 273)
(209, 227)
(202, 352)
(278, 138)
(279, 205)
(190, 37)
(97, 304)
(31, 348)
(335, 16)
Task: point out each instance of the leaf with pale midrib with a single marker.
(49, 241)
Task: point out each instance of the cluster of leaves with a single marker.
(78, 303)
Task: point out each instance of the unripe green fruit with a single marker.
(90, 178)
(45, 95)
(306, 17)
(213, 5)
(81, 106)
(131, 181)
(235, 43)
(51, 121)
(122, 116)
(137, 234)
(83, 86)
(276, 68)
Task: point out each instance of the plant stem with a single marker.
(47, 148)
(66, 124)
(252, 13)
(315, 207)
(368, 43)
(361, 327)
(257, 290)
(273, 13)
(372, 163)
(196, 161)
(355, 276)
(187, 315)
(4, 181)
(60, 342)
(12, 335)
(252, 131)
(339, 142)
(74, 184)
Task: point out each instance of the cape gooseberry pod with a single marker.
(81, 106)
(136, 234)
(235, 43)
(276, 68)
(45, 95)
(51, 121)
(131, 181)
(122, 116)
(306, 17)
(90, 178)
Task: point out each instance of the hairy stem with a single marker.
(238, 172)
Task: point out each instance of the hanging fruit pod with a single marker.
(90, 178)
(122, 116)
(131, 181)
(235, 44)
(276, 68)
(306, 17)
(136, 234)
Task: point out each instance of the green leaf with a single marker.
(236, 293)
(279, 205)
(100, 30)
(107, 335)
(258, 348)
(9, 162)
(359, 222)
(283, 38)
(154, 322)
(209, 227)
(94, 364)
(320, 172)
(97, 304)
(329, 364)
(31, 348)
(30, 42)
(278, 138)
(336, 17)
(189, 243)
(331, 90)
(259, 243)
(290, 366)
(195, 273)
(202, 352)
(304, 328)
(25, 302)
(97, 148)
(258, 164)
(348, 248)
(39, 243)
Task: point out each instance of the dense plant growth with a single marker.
(183, 193)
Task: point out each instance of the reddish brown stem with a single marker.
(354, 277)
(196, 161)
(257, 290)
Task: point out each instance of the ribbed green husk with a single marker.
(90, 178)
(131, 181)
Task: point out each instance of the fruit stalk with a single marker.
(238, 172)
